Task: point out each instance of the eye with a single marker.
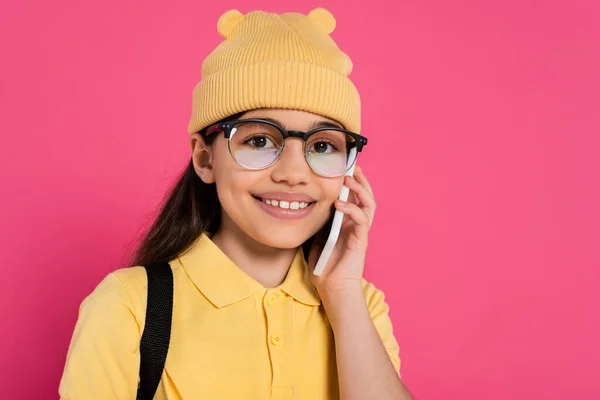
(322, 147)
(259, 142)
(327, 141)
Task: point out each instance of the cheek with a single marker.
(330, 188)
(224, 166)
(220, 157)
(234, 183)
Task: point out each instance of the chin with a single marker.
(282, 237)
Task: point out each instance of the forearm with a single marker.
(365, 370)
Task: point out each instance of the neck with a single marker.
(267, 265)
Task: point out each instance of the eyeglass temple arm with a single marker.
(213, 129)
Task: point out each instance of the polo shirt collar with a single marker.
(224, 283)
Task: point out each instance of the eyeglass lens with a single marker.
(257, 145)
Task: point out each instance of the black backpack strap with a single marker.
(157, 329)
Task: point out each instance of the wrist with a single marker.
(336, 293)
(344, 304)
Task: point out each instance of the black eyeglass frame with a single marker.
(227, 127)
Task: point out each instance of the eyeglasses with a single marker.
(257, 144)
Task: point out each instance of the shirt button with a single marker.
(276, 340)
(271, 299)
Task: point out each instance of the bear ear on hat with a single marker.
(323, 18)
(228, 21)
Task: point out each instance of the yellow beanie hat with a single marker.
(276, 61)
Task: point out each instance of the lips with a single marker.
(285, 205)
(285, 196)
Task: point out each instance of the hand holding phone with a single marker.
(336, 226)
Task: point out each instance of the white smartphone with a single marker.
(336, 225)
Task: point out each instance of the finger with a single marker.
(360, 176)
(360, 191)
(352, 198)
(367, 202)
(358, 216)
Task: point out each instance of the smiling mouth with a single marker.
(286, 205)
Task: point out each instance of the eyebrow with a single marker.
(315, 125)
(326, 124)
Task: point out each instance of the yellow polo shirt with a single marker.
(231, 337)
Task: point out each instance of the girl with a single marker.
(274, 118)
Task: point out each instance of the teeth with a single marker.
(294, 205)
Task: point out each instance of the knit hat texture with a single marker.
(269, 60)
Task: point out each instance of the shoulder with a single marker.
(121, 292)
(103, 356)
(375, 297)
(132, 280)
(124, 289)
(124, 282)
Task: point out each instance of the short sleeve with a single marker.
(379, 311)
(103, 356)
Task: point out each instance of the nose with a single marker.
(292, 168)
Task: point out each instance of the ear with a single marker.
(202, 158)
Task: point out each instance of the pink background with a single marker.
(484, 126)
